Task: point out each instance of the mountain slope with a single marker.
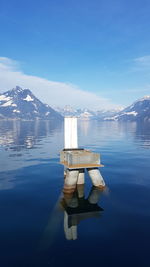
(138, 111)
(19, 103)
(86, 114)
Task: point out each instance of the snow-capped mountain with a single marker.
(22, 104)
(80, 113)
(86, 114)
(66, 111)
(138, 111)
(102, 114)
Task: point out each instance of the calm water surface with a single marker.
(39, 226)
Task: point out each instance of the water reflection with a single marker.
(77, 208)
(24, 134)
(18, 134)
(24, 143)
(84, 126)
(143, 134)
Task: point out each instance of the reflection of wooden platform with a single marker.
(83, 211)
(80, 166)
(83, 207)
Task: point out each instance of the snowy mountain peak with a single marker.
(146, 97)
(21, 103)
(18, 89)
(138, 111)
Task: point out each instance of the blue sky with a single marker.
(96, 46)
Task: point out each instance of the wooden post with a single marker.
(96, 177)
(94, 195)
(77, 160)
(70, 142)
(70, 181)
(81, 177)
(70, 133)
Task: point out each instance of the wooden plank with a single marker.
(80, 166)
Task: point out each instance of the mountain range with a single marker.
(20, 103)
(139, 111)
(87, 113)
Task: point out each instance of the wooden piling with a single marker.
(70, 133)
(76, 160)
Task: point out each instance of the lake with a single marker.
(39, 226)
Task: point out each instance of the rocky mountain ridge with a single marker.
(20, 103)
(139, 111)
(85, 113)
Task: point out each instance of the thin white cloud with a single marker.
(50, 92)
(141, 64)
(143, 61)
(8, 64)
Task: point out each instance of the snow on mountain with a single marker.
(87, 114)
(138, 111)
(28, 98)
(22, 104)
(146, 97)
(80, 113)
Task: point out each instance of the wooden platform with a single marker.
(80, 166)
